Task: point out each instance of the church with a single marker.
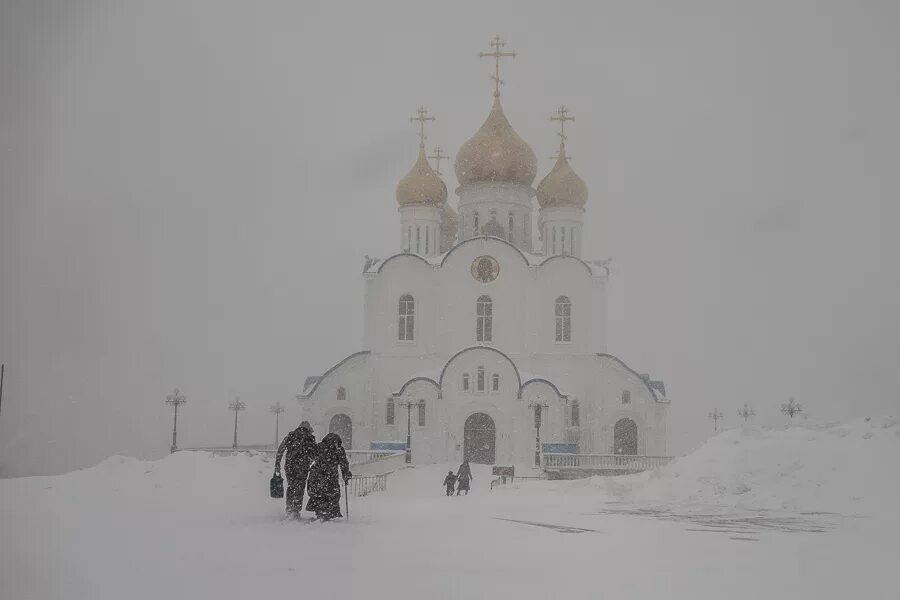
(485, 334)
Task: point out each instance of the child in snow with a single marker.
(450, 482)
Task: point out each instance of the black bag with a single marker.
(276, 486)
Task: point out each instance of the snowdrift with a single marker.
(848, 468)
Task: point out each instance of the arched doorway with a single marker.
(343, 426)
(626, 441)
(480, 439)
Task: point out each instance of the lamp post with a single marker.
(277, 409)
(746, 412)
(175, 399)
(409, 404)
(237, 406)
(537, 406)
(715, 415)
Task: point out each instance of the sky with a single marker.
(188, 189)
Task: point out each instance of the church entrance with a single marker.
(343, 426)
(480, 439)
(625, 435)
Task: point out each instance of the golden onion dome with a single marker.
(421, 186)
(562, 186)
(496, 153)
(449, 226)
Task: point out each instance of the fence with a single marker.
(604, 462)
(363, 486)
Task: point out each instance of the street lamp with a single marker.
(715, 415)
(537, 405)
(409, 404)
(277, 409)
(237, 406)
(746, 412)
(175, 399)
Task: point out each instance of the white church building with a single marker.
(488, 323)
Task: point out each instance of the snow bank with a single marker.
(848, 468)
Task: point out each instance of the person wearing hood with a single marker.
(300, 449)
(324, 483)
(464, 476)
(450, 482)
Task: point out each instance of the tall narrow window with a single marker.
(576, 414)
(562, 232)
(421, 408)
(476, 225)
(555, 251)
(495, 383)
(626, 397)
(418, 240)
(341, 394)
(510, 228)
(484, 325)
(563, 319)
(465, 382)
(427, 241)
(389, 412)
(408, 246)
(479, 381)
(407, 319)
(574, 248)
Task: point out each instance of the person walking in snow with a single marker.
(300, 448)
(450, 482)
(324, 484)
(464, 476)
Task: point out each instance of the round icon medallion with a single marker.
(485, 269)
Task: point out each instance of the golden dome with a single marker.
(449, 226)
(562, 186)
(496, 153)
(421, 186)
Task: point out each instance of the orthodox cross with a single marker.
(562, 115)
(237, 406)
(497, 44)
(438, 156)
(421, 117)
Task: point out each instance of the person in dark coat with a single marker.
(300, 449)
(450, 482)
(324, 484)
(464, 476)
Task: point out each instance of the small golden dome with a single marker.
(562, 186)
(421, 186)
(496, 153)
(449, 226)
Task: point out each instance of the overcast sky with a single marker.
(188, 188)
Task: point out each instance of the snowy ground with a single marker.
(755, 514)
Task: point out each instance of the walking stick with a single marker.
(346, 502)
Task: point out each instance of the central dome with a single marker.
(496, 153)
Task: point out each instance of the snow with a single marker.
(742, 517)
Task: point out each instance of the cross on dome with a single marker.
(562, 115)
(421, 117)
(497, 44)
(438, 156)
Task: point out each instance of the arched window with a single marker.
(421, 408)
(465, 382)
(495, 382)
(626, 397)
(484, 324)
(576, 414)
(479, 381)
(407, 317)
(341, 394)
(563, 319)
(389, 412)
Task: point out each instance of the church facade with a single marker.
(488, 328)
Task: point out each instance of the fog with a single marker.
(188, 189)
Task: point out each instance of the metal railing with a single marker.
(363, 486)
(361, 457)
(611, 462)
